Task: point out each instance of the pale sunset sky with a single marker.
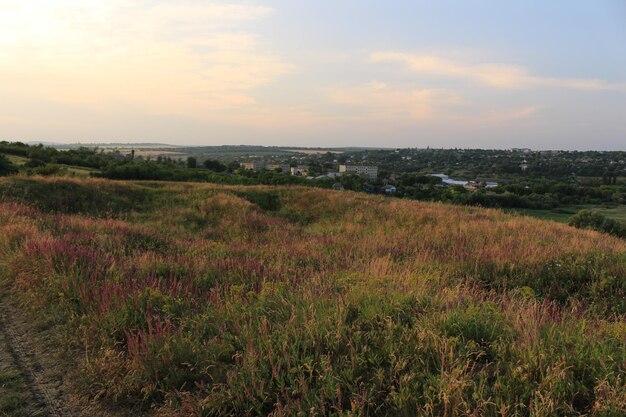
(395, 73)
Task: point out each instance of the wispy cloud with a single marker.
(380, 101)
(490, 74)
(191, 58)
(396, 104)
(513, 114)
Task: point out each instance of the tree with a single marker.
(214, 165)
(6, 166)
(192, 162)
(233, 166)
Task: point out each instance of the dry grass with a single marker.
(226, 300)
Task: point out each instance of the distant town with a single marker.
(549, 184)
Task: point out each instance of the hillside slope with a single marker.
(198, 299)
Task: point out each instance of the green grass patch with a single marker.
(81, 171)
(17, 160)
(563, 214)
(14, 397)
(71, 197)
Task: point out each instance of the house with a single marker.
(281, 167)
(524, 165)
(253, 166)
(389, 189)
(300, 170)
(369, 171)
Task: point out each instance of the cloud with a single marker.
(191, 58)
(509, 115)
(379, 101)
(493, 75)
(393, 104)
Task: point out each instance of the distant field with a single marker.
(617, 213)
(165, 151)
(313, 151)
(563, 214)
(81, 171)
(234, 154)
(157, 153)
(127, 147)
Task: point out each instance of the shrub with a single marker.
(587, 219)
(482, 324)
(266, 200)
(6, 166)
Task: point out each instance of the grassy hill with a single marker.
(196, 299)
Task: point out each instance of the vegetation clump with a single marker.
(6, 166)
(588, 219)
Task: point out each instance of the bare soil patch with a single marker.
(34, 381)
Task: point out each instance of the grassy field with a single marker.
(81, 171)
(204, 300)
(13, 394)
(563, 214)
(17, 160)
(617, 213)
(72, 170)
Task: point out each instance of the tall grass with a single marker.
(215, 300)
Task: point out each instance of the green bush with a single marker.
(266, 200)
(6, 166)
(587, 219)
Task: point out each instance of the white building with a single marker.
(369, 171)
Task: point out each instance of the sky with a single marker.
(323, 73)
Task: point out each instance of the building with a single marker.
(338, 186)
(368, 171)
(282, 167)
(253, 166)
(390, 189)
(524, 165)
(300, 170)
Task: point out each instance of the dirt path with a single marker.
(21, 373)
(32, 380)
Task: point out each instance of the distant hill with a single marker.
(140, 145)
(44, 143)
(116, 145)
